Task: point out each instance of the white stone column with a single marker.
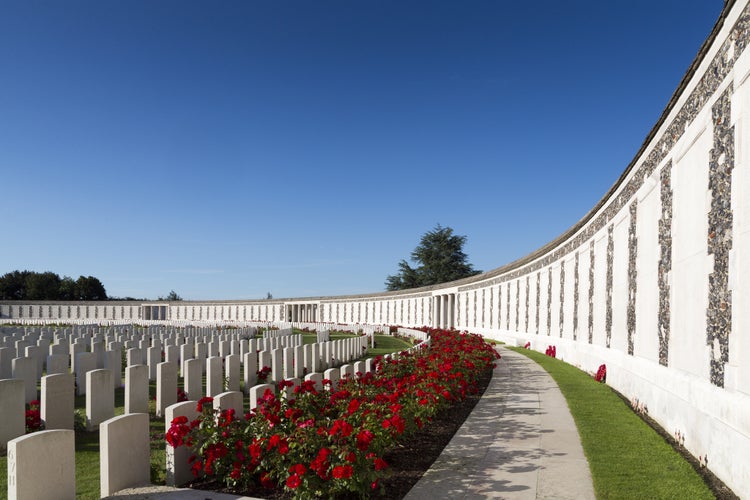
(443, 311)
(439, 311)
(452, 310)
(433, 314)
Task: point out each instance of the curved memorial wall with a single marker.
(654, 281)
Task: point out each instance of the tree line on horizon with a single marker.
(30, 285)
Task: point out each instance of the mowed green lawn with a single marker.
(627, 458)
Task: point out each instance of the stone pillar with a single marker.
(436, 313)
(451, 310)
(446, 310)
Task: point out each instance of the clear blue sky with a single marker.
(229, 149)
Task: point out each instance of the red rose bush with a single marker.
(323, 443)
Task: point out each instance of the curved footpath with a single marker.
(520, 442)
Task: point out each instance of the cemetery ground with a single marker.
(627, 457)
(87, 443)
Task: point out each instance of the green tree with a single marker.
(13, 285)
(30, 285)
(439, 258)
(68, 289)
(172, 297)
(43, 286)
(90, 288)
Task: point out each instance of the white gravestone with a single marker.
(100, 398)
(52, 478)
(136, 389)
(58, 401)
(124, 453)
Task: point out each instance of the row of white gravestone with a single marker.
(173, 344)
(177, 459)
(137, 338)
(190, 328)
(57, 399)
(57, 403)
(124, 442)
(30, 368)
(124, 460)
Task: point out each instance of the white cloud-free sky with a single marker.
(225, 150)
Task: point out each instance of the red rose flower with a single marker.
(343, 471)
(293, 481)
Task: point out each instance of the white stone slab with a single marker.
(136, 389)
(178, 467)
(52, 478)
(100, 398)
(58, 400)
(12, 411)
(166, 386)
(124, 453)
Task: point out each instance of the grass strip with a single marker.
(627, 458)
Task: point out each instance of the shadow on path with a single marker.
(519, 442)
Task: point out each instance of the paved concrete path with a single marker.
(520, 442)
